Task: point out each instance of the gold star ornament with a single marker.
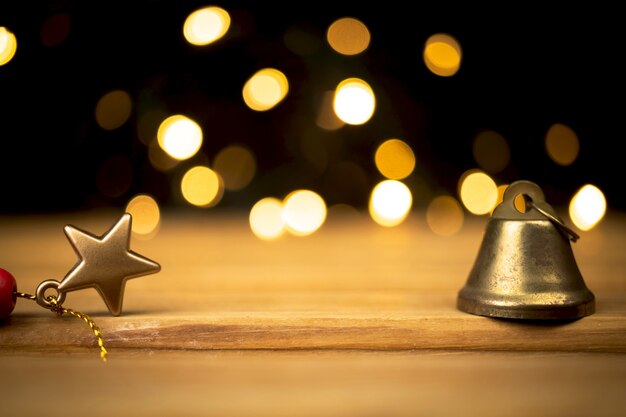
(106, 263)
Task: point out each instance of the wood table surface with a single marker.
(354, 320)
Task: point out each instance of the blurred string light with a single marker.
(180, 137)
(342, 212)
(302, 40)
(55, 29)
(348, 36)
(113, 109)
(304, 212)
(8, 45)
(206, 25)
(115, 176)
(390, 203)
(442, 55)
(354, 101)
(394, 159)
(491, 151)
(265, 89)
(160, 160)
(148, 123)
(562, 144)
(236, 165)
(202, 187)
(266, 219)
(478, 192)
(444, 215)
(587, 207)
(519, 202)
(326, 117)
(146, 215)
(301, 213)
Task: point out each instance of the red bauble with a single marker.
(7, 293)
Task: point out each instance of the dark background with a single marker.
(524, 68)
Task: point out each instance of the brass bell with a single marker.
(525, 268)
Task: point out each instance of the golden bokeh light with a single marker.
(206, 25)
(148, 123)
(113, 109)
(587, 207)
(562, 144)
(8, 45)
(160, 160)
(442, 55)
(146, 215)
(354, 101)
(202, 187)
(326, 117)
(491, 151)
(265, 89)
(444, 215)
(180, 137)
(342, 212)
(304, 212)
(478, 192)
(518, 202)
(266, 219)
(394, 159)
(236, 165)
(348, 36)
(390, 203)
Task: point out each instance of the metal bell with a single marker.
(525, 268)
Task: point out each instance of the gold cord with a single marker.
(60, 310)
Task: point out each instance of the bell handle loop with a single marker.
(560, 224)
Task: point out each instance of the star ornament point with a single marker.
(106, 263)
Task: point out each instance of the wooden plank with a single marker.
(353, 285)
(314, 383)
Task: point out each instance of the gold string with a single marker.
(24, 295)
(60, 310)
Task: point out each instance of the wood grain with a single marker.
(356, 320)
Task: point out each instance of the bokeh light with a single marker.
(354, 101)
(146, 215)
(8, 45)
(266, 219)
(442, 55)
(180, 137)
(148, 123)
(265, 89)
(160, 160)
(562, 144)
(519, 202)
(206, 25)
(491, 151)
(304, 212)
(390, 203)
(302, 40)
(113, 109)
(444, 215)
(348, 36)
(202, 187)
(478, 192)
(326, 117)
(587, 207)
(55, 29)
(114, 176)
(236, 165)
(394, 159)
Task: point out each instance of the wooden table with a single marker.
(355, 320)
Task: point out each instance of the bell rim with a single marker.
(529, 312)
